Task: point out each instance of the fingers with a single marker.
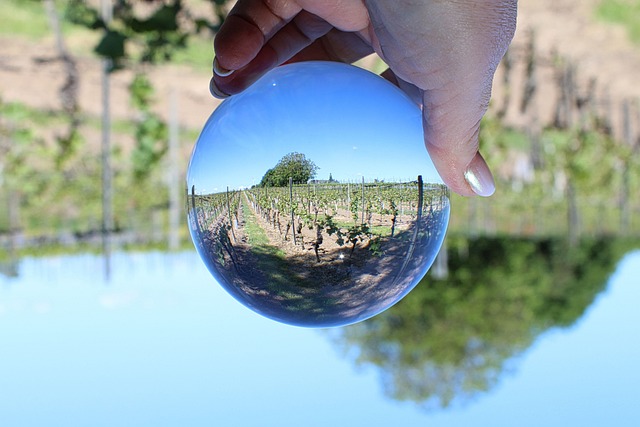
(451, 121)
(249, 25)
(336, 45)
(450, 51)
(412, 91)
(452, 147)
(258, 35)
(479, 177)
(290, 39)
(467, 178)
(443, 55)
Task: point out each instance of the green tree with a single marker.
(451, 339)
(295, 166)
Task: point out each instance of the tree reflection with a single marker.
(452, 339)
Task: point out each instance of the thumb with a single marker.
(451, 121)
(450, 51)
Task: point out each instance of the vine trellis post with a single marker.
(173, 172)
(230, 216)
(107, 209)
(363, 204)
(293, 224)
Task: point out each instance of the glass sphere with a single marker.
(311, 197)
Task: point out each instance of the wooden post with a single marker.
(625, 211)
(566, 86)
(412, 244)
(173, 173)
(230, 217)
(293, 224)
(420, 196)
(606, 125)
(107, 208)
(363, 204)
(440, 269)
(194, 210)
(69, 90)
(528, 107)
(507, 65)
(531, 83)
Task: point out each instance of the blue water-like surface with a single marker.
(161, 344)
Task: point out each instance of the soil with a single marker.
(29, 73)
(601, 53)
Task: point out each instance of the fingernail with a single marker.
(215, 91)
(219, 70)
(479, 177)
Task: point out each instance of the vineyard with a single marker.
(321, 243)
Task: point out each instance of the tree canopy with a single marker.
(293, 165)
(451, 339)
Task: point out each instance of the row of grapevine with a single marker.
(214, 217)
(352, 213)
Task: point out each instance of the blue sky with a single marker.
(349, 122)
(162, 344)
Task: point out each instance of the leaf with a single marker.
(79, 13)
(141, 91)
(163, 20)
(112, 45)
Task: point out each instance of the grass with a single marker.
(39, 118)
(20, 113)
(28, 19)
(24, 18)
(273, 262)
(255, 234)
(622, 12)
(257, 237)
(198, 54)
(270, 259)
(380, 230)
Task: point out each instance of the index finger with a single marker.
(247, 28)
(252, 23)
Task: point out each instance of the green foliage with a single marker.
(18, 147)
(151, 132)
(112, 46)
(623, 12)
(590, 162)
(569, 152)
(135, 37)
(293, 165)
(451, 339)
(68, 144)
(152, 34)
(56, 197)
(573, 152)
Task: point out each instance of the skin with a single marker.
(443, 53)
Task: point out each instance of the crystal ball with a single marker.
(311, 197)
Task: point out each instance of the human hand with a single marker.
(443, 53)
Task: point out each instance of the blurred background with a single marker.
(107, 317)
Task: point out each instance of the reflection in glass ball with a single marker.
(311, 197)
